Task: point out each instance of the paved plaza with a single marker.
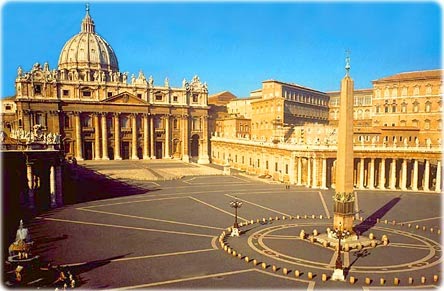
(168, 233)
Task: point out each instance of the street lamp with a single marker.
(338, 273)
(235, 204)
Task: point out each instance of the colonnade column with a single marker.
(185, 139)
(425, 184)
(308, 172)
(117, 137)
(104, 138)
(299, 171)
(382, 174)
(291, 170)
(134, 137)
(52, 187)
(153, 155)
(361, 173)
(79, 153)
(438, 177)
(315, 173)
(324, 174)
(415, 176)
(203, 155)
(404, 175)
(393, 175)
(31, 184)
(167, 136)
(145, 137)
(58, 185)
(96, 137)
(372, 174)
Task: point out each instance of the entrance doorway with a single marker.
(195, 145)
(88, 154)
(125, 150)
(159, 150)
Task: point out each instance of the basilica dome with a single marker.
(87, 50)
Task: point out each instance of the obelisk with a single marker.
(344, 198)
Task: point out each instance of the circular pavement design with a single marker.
(411, 253)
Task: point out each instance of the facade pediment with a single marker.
(124, 97)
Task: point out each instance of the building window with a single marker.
(175, 124)
(159, 97)
(266, 165)
(196, 124)
(86, 93)
(428, 106)
(386, 109)
(393, 108)
(139, 95)
(439, 124)
(416, 107)
(195, 98)
(175, 98)
(40, 119)
(65, 93)
(66, 122)
(286, 169)
(427, 124)
(402, 123)
(377, 109)
(37, 89)
(404, 107)
(415, 122)
(416, 91)
(157, 122)
(404, 91)
(8, 107)
(276, 167)
(110, 94)
(87, 121)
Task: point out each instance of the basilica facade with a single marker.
(102, 113)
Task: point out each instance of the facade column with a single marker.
(299, 171)
(104, 138)
(315, 173)
(79, 153)
(425, 184)
(361, 173)
(203, 156)
(52, 187)
(324, 174)
(152, 135)
(96, 137)
(372, 174)
(404, 175)
(146, 155)
(58, 185)
(438, 177)
(167, 136)
(415, 176)
(290, 171)
(117, 137)
(382, 174)
(134, 137)
(185, 139)
(308, 172)
(31, 185)
(392, 175)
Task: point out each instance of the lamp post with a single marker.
(338, 273)
(235, 204)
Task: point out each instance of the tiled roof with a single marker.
(412, 76)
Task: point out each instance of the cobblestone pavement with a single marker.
(168, 234)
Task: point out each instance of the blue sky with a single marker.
(234, 46)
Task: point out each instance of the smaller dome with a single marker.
(88, 50)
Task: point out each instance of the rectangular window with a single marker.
(139, 96)
(275, 167)
(86, 93)
(38, 89)
(159, 97)
(65, 93)
(195, 98)
(66, 121)
(286, 169)
(175, 98)
(110, 94)
(266, 165)
(8, 107)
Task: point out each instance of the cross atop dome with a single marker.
(87, 22)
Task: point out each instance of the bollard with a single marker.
(324, 277)
(302, 234)
(385, 243)
(247, 259)
(396, 281)
(352, 280)
(377, 220)
(264, 265)
(284, 217)
(382, 281)
(371, 236)
(385, 221)
(239, 256)
(257, 220)
(251, 221)
(284, 271)
(315, 232)
(264, 220)
(312, 239)
(297, 273)
(305, 216)
(274, 268)
(310, 275)
(410, 280)
(417, 226)
(384, 237)
(368, 280)
(409, 225)
(297, 216)
(320, 216)
(373, 243)
(225, 248)
(270, 218)
(359, 246)
(234, 253)
(361, 218)
(423, 280)
(229, 250)
(254, 262)
(325, 243)
(394, 222)
(313, 216)
(277, 218)
(439, 231)
(424, 228)
(435, 278)
(431, 229)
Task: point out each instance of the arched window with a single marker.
(427, 124)
(403, 107)
(415, 122)
(404, 91)
(386, 92)
(429, 89)
(416, 90)
(402, 123)
(416, 106)
(428, 106)
(395, 92)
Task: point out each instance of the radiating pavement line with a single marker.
(333, 259)
(346, 259)
(282, 276)
(184, 279)
(324, 204)
(408, 246)
(124, 227)
(217, 208)
(133, 201)
(425, 219)
(252, 203)
(152, 219)
(146, 257)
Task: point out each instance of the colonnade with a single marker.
(150, 135)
